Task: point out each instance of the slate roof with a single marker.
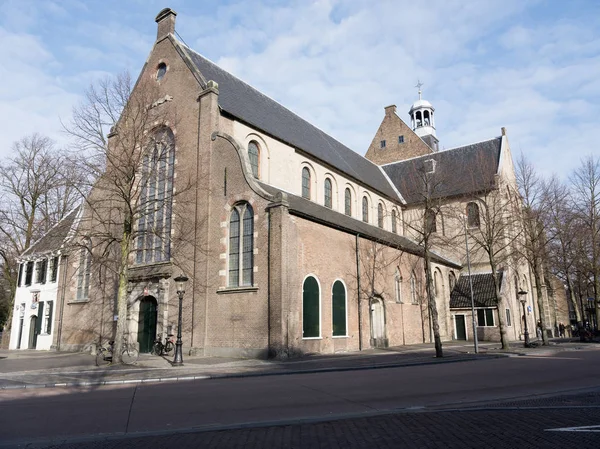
(452, 174)
(256, 109)
(483, 291)
(54, 238)
(315, 212)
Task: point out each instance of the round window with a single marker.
(160, 72)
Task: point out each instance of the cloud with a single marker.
(524, 65)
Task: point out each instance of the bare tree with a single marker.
(122, 135)
(428, 186)
(37, 192)
(585, 182)
(562, 223)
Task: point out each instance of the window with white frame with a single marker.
(83, 274)
(53, 269)
(306, 183)
(348, 202)
(380, 215)
(365, 209)
(241, 246)
(394, 221)
(485, 317)
(254, 156)
(413, 289)
(47, 329)
(328, 193)
(398, 287)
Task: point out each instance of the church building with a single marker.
(293, 243)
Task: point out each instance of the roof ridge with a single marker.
(442, 151)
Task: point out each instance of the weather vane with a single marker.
(418, 86)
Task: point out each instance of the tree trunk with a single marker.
(573, 299)
(500, 305)
(122, 306)
(432, 307)
(540, 301)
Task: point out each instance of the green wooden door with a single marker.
(461, 329)
(147, 324)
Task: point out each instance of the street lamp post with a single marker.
(523, 300)
(178, 359)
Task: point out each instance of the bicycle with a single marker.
(160, 348)
(104, 356)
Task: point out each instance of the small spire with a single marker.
(418, 86)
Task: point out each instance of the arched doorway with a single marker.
(147, 323)
(33, 332)
(378, 338)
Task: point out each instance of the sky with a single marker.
(530, 66)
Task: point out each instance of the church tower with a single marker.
(423, 121)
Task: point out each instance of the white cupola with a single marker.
(423, 120)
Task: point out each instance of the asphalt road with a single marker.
(394, 407)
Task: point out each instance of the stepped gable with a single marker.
(55, 237)
(261, 112)
(458, 171)
(483, 291)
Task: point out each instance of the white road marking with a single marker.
(576, 429)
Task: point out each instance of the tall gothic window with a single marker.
(328, 193)
(306, 183)
(380, 215)
(156, 200)
(394, 219)
(473, 215)
(338, 309)
(365, 209)
(83, 274)
(241, 246)
(254, 156)
(348, 202)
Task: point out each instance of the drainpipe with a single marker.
(358, 297)
(269, 283)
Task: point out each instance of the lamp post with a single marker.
(180, 280)
(475, 341)
(523, 300)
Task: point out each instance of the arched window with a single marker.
(83, 272)
(306, 183)
(156, 200)
(394, 221)
(254, 156)
(430, 225)
(380, 215)
(451, 281)
(398, 287)
(436, 284)
(348, 202)
(413, 288)
(328, 193)
(473, 215)
(365, 209)
(311, 308)
(241, 243)
(338, 309)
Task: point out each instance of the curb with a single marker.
(249, 374)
